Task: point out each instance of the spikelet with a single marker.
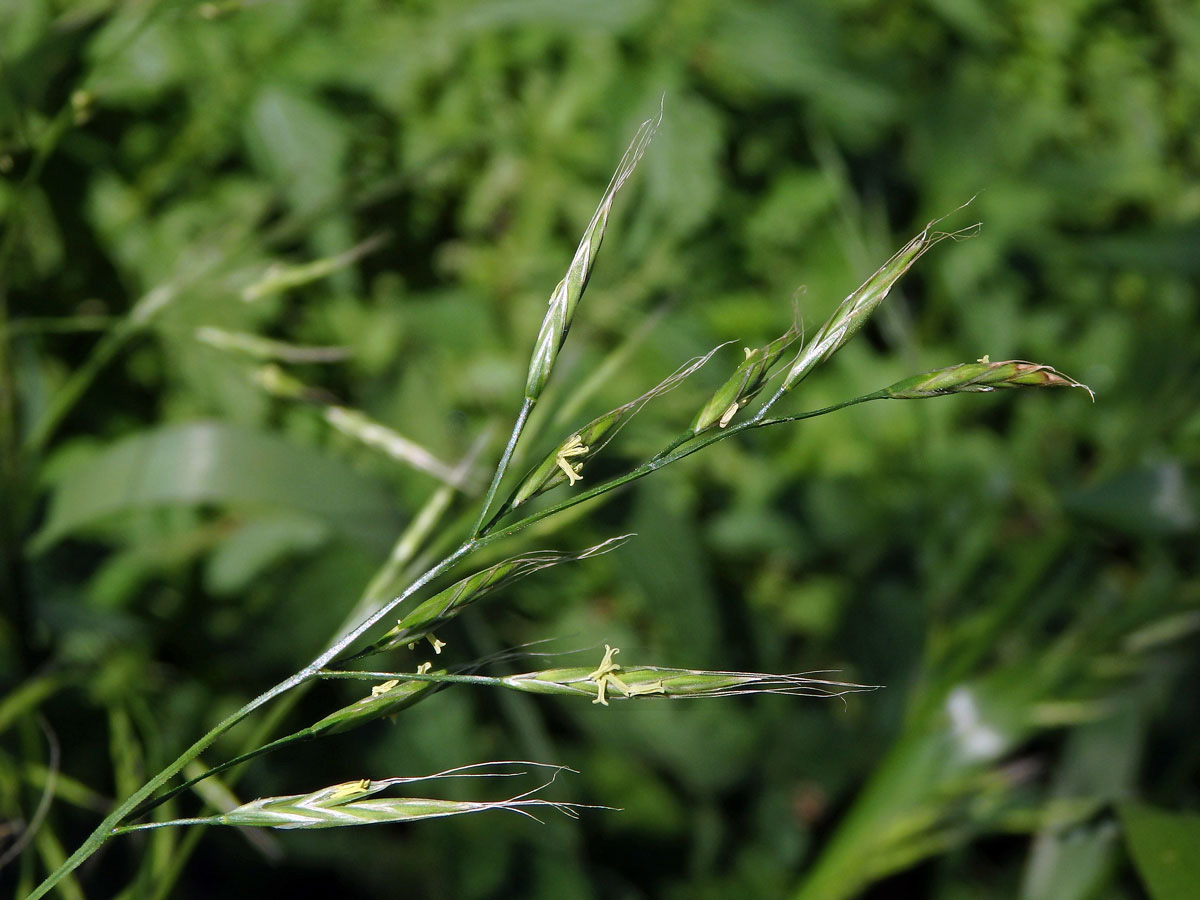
(356, 803)
(980, 376)
(744, 384)
(443, 606)
(566, 295)
(854, 311)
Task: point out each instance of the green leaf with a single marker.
(212, 462)
(1163, 846)
(299, 143)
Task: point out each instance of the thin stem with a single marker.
(150, 826)
(681, 447)
(153, 802)
(674, 445)
(775, 397)
(404, 550)
(502, 467)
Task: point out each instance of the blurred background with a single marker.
(379, 198)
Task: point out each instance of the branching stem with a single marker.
(679, 448)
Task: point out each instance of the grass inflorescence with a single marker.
(391, 692)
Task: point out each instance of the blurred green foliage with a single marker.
(1019, 571)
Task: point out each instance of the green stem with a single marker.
(150, 803)
(150, 826)
(674, 445)
(502, 467)
(403, 551)
(775, 398)
(681, 447)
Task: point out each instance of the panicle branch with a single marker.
(446, 604)
(745, 383)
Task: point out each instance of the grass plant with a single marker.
(355, 803)
(270, 278)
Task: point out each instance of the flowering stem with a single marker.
(679, 448)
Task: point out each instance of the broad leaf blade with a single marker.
(213, 462)
(1163, 845)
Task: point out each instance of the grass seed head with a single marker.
(445, 605)
(566, 295)
(980, 376)
(356, 803)
(384, 700)
(744, 384)
(612, 681)
(854, 311)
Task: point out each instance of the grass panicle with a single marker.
(563, 302)
(360, 427)
(853, 312)
(280, 277)
(609, 680)
(267, 349)
(385, 699)
(356, 803)
(643, 682)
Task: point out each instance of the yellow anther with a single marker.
(605, 675)
(650, 687)
(423, 668)
(573, 447)
(985, 360)
(437, 645)
(384, 688)
(607, 666)
(727, 416)
(349, 789)
(615, 682)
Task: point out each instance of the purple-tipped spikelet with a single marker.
(978, 377)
